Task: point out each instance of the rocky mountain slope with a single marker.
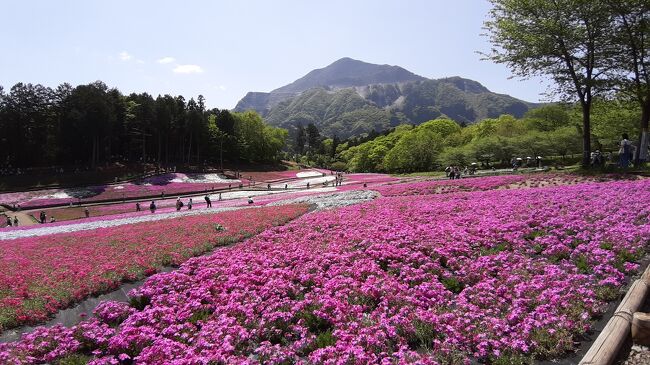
(351, 97)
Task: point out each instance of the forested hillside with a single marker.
(93, 124)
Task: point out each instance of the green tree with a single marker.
(547, 117)
(313, 137)
(416, 150)
(442, 126)
(563, 141)
(612, 118)
(632, 59)
(301, 139)
(568, 40)
(455, 156)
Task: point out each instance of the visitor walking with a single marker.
(87, 212)
(220, 197)
(43, 217)
(250, 200)
(152, 207)
(208, 202)
(189, 204)
(179, 203)
(8, 221)
(15, 221)
(137, 207)
(624, 152)
(52, 219)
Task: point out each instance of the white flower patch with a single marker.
(247, 193)
(57, 195)
(204, 179)
(45, 230)
(312, 182)
(305, 174)
(333, 200)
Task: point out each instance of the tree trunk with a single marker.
(166, 151)
(641, 154)
(189, 150)
(144, 150)
(93, 156)
(586, 133)
(221, 154)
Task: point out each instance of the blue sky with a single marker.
(222, 49)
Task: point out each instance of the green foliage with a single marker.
(610, 119)
(139, 302)
(325, 339)
(606, 293)
(74, 359)
(512, 359)
(548, 117)
(416, 150)
(369, 156)
(442, 126)
(347, 113)
(552, 132)
(257, 141)
(424, 333)
(339, 166)
(92, 125)
(452, 284)
(200, 315)
(313, 322)
(455, 156)
(583, 265)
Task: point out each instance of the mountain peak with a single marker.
(348, 72)
(351, 97)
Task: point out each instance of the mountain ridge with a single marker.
(351, 97)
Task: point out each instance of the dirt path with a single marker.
(24, 219)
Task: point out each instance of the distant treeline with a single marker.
(552, 131)
(93, 124)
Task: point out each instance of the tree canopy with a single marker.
(93, 124)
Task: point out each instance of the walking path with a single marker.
(322, 201)
(24, 219)
(46, 230)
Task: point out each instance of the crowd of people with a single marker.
(456, 172)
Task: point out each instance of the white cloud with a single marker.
(220, 87)
(140, 61)
(165, 60)
(188, 69)
(125, 56)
